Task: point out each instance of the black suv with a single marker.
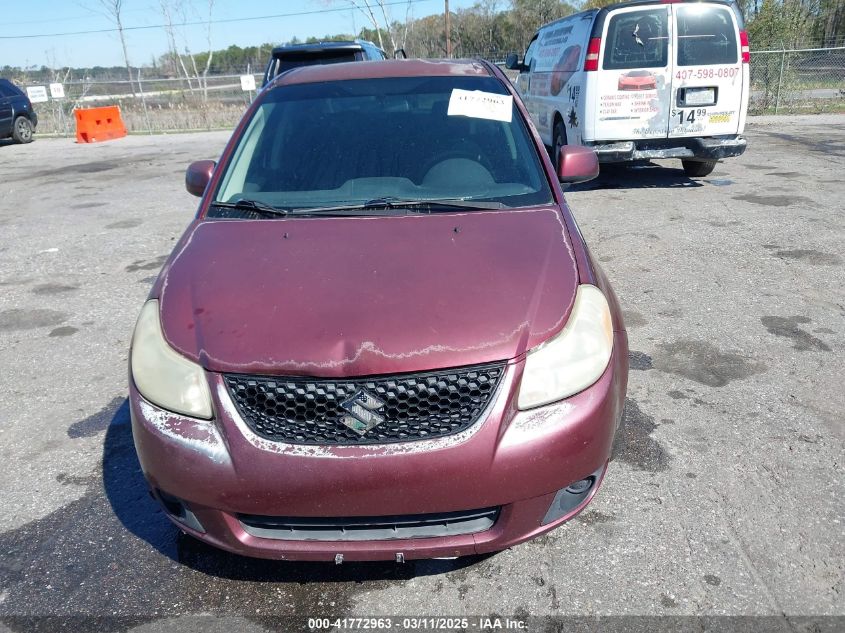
(17, 118)
(286, 57)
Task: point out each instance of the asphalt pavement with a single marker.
(725, 497)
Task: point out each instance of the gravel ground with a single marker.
(725, 497)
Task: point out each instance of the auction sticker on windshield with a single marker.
(481, 105)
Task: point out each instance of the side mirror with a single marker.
(198, 176)
(577, 163)
(512, 62)
(400, 53)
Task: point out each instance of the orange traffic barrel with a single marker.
(98, 124)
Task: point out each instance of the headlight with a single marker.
(575, 358)
(163, 376)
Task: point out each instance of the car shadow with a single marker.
(126, 492)
(645, 176)
(6, 141)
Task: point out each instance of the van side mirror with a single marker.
(512, 62)
(577, 163)
(198, 175)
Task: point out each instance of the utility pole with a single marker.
(448, 32)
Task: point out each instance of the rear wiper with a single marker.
(254, 205)
(390, 203)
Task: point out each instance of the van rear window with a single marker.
(637, 39)
(295, 60)
(706, 36)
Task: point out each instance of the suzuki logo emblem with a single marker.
(361, 411)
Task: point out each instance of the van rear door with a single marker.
(707, 78)
(634, 81)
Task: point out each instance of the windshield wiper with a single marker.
(389, 203)
(392, 202)
(254, 205)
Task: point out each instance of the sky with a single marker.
(103, 49)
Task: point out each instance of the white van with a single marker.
(641, 80)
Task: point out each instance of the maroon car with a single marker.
(382, 336)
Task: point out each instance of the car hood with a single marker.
(341, 297)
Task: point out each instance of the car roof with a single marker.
(384, 69)
(8, 83)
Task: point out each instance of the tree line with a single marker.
(489, 28)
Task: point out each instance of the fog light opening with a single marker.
(569, 498)
(582, 486)
(178, 510)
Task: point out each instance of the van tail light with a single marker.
(744, 48)
(591, 61)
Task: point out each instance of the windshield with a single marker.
(403, 139)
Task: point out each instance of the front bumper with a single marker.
(514, 460)
(698, 148)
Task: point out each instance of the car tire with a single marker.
(22, 130)
(698, 168)
(558, 141)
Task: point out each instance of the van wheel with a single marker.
(698, 168)
(22, 130)
(559, 142)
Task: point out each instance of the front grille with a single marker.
(371, 410)
(382, 528)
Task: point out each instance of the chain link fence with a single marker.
(152, 105)
(809, 80)
(782, 81)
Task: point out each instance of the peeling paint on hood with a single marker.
(361, 296)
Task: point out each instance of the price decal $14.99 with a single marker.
(688, 116)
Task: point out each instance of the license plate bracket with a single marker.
(699, 96)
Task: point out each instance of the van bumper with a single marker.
(708, 148)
